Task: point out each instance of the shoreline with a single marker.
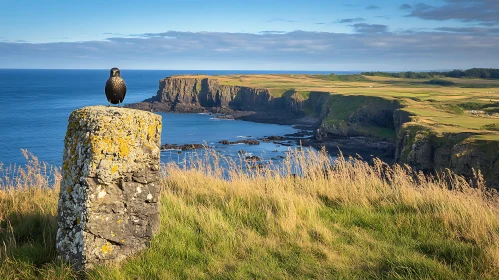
(369, 118)
(364, 147)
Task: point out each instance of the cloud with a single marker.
(472, 30)
(405, 7)
(281, 20)
(349, 20)
(267, 32)
(369, 28)
(367, 50)
(372, 7)
(485, 12)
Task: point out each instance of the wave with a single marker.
(219, 119)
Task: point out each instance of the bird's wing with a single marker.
(109, 89)
(124, 91)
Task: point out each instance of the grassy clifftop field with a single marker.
(350, 221)
(432, 124)
(443, 104)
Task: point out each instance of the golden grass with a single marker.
(430, 98)
(27, 191)
(307, 217)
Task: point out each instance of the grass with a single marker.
(347, 220)
(440, 104)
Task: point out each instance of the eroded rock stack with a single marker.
(109, 191)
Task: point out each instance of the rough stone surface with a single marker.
(191, 95)
(109, 191)
(428, 151)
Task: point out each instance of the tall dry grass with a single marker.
(306, 217)
(306, 178)
(28, 211)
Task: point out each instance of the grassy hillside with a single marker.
(441, 108)
(350, 221)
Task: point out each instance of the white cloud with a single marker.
(294, 50)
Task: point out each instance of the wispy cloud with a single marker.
(372, 48)
(267, 32)
(471, 30)
(484, 12)
(372, 7)
(369, 28)
(350, 20)
(281, 20)
(405, 7)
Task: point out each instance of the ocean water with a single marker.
(35, 106)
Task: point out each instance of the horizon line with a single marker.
(241, 70)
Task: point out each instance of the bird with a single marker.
(115, 87)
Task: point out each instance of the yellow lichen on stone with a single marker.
(107, 248)
(152, 131)
(104, 146)
(124, 148)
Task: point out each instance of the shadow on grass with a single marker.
(29, 238)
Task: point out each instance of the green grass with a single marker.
(492, 126)
(355, 223)
(342, 78)
(441, 107)
(441, 82)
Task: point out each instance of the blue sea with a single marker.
(35, 106)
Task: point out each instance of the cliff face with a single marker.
(192, 94)
(425, 150)
(338, 116)
(350, 116)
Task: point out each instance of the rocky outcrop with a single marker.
(365, 125)
(183, 147)
(245, 141)
(353, 116)
(425, 150)
(109, 190)
(208, 95)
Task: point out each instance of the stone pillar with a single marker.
(108, 203)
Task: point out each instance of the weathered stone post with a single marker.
(109, 191)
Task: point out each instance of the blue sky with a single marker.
(256, 34)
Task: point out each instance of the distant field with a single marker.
(443, 108)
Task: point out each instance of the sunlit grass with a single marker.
(341, 220)
(429, 102)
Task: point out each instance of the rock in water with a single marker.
(109, 191)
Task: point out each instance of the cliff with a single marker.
(205, 94)
(426, 150)
(365, 124)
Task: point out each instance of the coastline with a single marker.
(357, 116)
(364, 147)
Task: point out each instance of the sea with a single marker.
(35, 106)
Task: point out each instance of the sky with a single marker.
(322, 35)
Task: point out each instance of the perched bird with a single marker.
(115, 87)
